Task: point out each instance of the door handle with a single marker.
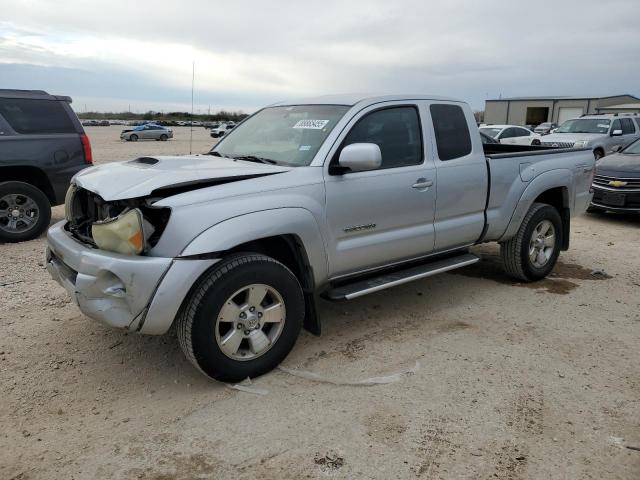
(422, 183)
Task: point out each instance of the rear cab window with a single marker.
(36, 116)
(453, 139)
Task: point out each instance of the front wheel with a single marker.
(133, 138)
(532, 253)
(242, 318)
(163, 137)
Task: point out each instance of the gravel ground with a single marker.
(495, 379)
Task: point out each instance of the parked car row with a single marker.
(603, 134)
(96, 123)
(164, 123)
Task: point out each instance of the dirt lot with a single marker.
(500, 380)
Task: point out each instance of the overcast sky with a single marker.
(111, 54)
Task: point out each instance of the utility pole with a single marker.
(193, 77)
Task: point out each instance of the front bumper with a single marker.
(132, 292)
(616, 200)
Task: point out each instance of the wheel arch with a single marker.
(31, 175)
(289, 235)
(554, 188)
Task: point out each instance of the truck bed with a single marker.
(516, 171)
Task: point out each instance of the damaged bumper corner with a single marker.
(120, 290)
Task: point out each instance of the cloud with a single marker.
(249, 53)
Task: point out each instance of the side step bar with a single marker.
(377, 283)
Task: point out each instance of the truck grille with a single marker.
(616, 183)
(559, 144)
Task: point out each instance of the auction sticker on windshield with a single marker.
(312, 124)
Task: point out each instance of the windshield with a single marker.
(585, 125)
(492, 132)
(633, 149)
(288, 135)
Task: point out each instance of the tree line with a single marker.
(222, 115)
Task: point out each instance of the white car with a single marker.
(511, 134)
(222, 130)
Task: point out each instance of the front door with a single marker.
(378, 217)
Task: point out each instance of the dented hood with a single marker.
(142, 176)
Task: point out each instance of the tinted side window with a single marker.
(395, 130)
(522, 132)
(452, 132)
(616, 125)
(36, 116)
(627, 126)
(638, 124)
(510, 133)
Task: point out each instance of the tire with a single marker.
(211, 314)
(516, 253)
(163, 138)
(28, 201)
(598, 154)
(133, 138)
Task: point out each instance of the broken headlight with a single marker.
(126, 234)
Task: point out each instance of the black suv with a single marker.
(42, 145)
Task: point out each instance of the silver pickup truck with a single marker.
(337, 197)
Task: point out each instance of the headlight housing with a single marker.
(123, 234)
(581, 144)
(68, 199)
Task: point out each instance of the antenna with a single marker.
(193, 76)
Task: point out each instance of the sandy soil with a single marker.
(502, 380)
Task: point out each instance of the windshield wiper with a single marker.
(253, 158)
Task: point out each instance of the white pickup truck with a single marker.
(338, 197)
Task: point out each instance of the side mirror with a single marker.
(360, 157)
(616, 133)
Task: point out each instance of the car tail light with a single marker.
(86, 147)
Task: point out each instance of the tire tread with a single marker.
(510, 250)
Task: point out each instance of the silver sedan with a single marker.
(147, 132)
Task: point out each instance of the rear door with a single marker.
(378, 217)
(462, 176)
(41, 133)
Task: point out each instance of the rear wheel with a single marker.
(25, 212)
(242, 318)
(133, 138)
(532, 253)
